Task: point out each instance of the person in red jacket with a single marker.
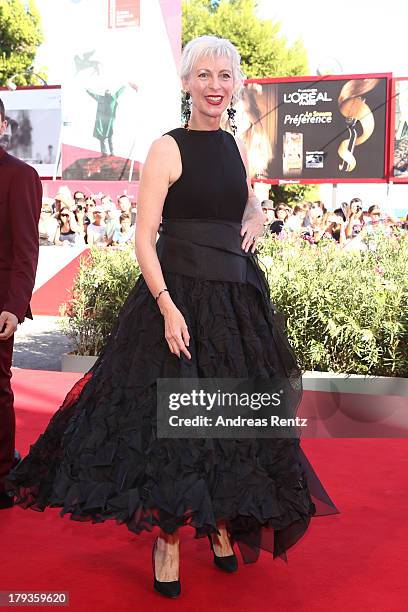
(20, 208)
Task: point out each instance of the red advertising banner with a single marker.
(124, 13)
(331, 129)
(399, 131)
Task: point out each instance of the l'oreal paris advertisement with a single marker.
(329, 128)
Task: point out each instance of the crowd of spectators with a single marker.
(79, 220)
(347, 225)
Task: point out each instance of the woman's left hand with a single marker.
(253, 219)
(252, 229)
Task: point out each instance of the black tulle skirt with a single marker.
(99, 457)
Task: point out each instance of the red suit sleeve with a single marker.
(25, 198)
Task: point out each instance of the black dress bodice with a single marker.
(213, 180)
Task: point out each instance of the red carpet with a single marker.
(356, 560)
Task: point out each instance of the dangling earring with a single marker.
(186, 109)
(231, 118)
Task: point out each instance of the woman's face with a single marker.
(281, 214)
(65, 216)
(210, 85)
(375, 214)
(98, 216)
(315, 212)
(269, 215)
(355, 207)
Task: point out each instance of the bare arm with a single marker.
(57, 240)
(391, 219)
(342, 238)
(160, 170)
(253, 217)
(350, 225)
(90, 236)
(153, 189)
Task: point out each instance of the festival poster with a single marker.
(33, 116)
(400, 135)
(327, 129)
(117, 61)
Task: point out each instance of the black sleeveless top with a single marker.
(213, 180)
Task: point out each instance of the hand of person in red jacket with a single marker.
(8, 324)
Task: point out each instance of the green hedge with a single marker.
(346, 311)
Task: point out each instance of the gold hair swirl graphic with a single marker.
(353, 107)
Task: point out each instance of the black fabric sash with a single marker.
(211, 250)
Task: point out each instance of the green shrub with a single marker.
(346, 311)
(100, 288)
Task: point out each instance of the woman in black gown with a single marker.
(200, 309)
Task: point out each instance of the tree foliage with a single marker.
(293, 194)
(264, 50)
(20, 35)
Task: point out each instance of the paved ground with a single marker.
(39, 344)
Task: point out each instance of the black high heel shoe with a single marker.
(227, 564)
(168, 589)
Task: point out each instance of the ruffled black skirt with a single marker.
(100, 458)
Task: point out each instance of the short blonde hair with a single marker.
(213, 46)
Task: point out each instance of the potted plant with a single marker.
(100, 288)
